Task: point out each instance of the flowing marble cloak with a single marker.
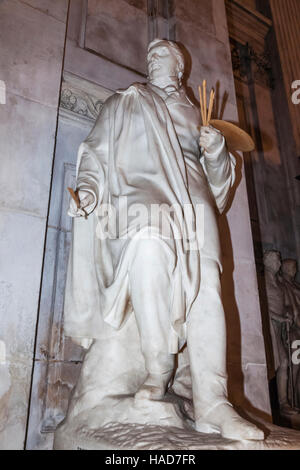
(292, 300)
(276, 308)
(138, 154)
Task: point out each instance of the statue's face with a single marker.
(273, 261)
(289, 268)
(162, 62)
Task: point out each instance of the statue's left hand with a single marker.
(210, 139)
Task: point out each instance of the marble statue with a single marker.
(292, 300)
(140, 300)
(281, 320)
(289, 272)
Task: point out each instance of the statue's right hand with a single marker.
(86, 200)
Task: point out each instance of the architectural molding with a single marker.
(248, 30)
(247, 26)
(81, 99)
(246, 62)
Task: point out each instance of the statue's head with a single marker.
(164, 59)
(272, 260)
(289, 268)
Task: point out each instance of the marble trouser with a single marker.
(150, 281)
(282, 372)
(150, 278)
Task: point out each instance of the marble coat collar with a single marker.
(171, 94)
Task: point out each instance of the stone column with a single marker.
(286, 21)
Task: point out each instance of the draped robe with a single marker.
(138, 154)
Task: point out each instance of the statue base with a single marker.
(81, 435)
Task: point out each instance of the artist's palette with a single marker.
(236, 138)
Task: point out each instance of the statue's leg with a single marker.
(206, 342)
(282, 378)
(150, 280)
(113, 367)
(182, 383)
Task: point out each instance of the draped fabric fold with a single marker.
(125, 162)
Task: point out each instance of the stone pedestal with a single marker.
(115, 436)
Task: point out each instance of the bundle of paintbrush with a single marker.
(236, 138)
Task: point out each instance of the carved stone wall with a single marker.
(32, 46)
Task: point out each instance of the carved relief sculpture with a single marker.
(292, 300)
(281, 321)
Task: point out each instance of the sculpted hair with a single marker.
(269, 256)
(174, 48)
(288, 263)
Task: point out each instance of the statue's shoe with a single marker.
(154, 387)
(223, 419)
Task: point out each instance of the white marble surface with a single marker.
(115, 436)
